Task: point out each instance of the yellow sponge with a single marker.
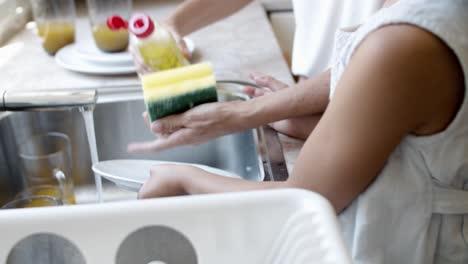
(177, 90)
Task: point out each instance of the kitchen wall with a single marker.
(13, 16)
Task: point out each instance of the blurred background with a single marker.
(14, 14)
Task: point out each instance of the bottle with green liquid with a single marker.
(154, 43)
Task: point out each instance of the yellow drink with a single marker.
(49, 191)
(110, 40)
(64, 192)
(162, 55)
(32, 201)
(55, 191)
(56, 34)
(40, 203)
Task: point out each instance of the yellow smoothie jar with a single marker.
(46, 166)
(55, 22)
(108, 40)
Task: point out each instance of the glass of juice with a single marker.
(106, 39)
(44, 190)
(55, 21)
(33, 201)
(46, 162)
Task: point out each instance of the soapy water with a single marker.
(90, 132)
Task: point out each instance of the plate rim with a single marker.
(112, 177)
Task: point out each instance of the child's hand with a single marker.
(269, 84)
(164, 181)
(173, 180)
(299, 127)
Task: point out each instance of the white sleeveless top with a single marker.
(316, 22)
(416, 211)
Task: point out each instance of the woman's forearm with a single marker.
(192, 15)
(306, 98)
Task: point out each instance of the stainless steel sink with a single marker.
(254, 154)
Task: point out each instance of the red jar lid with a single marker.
(141, 25)
(116, 22)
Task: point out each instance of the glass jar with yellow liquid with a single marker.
(55, 23)
(106, 39)
(47, 165)
(33, 201)
(48, 190)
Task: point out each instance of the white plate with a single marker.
(88, 51)
(131, 174)
(69, 59)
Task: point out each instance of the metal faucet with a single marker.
(34, 100)
(47, 100)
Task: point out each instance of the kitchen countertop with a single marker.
(277, 5)
(25, 65)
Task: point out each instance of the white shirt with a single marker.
(316, 23)
(416, 210)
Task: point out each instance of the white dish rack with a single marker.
(277, 226)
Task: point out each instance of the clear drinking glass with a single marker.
(33, 201)
(99, 10)
(46, 160)
(55, 21)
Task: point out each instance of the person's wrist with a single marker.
(172, 24)
(186, 178)
(255, 111)
(237, 114)
(179, 179)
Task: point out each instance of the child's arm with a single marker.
(401, 80)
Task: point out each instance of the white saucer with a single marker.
(131, 174)
(88, 51)
(68, 58)
(85, 57)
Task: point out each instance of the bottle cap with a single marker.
(141, 25)
(116, 22)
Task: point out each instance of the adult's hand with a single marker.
(193, 127)
(203, 122)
